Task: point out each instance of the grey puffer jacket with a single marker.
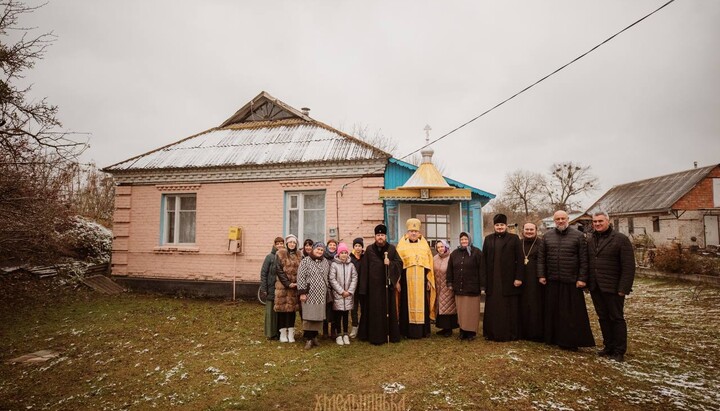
(563, 257)
(612, 262)
(343, 276)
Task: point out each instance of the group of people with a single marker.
(534, 286)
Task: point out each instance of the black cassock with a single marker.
(503, 265)
(532, 299)
(379, 317)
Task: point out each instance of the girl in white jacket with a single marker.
(343, 282)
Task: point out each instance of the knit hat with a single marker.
(360, 241)
(290, 237)
(500, 219)
(413, 224)
(380, 229)
(319, 244)
(342, 247)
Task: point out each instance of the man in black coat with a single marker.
(380, 270)
(504, 271)
(612, 272)
(563, 266)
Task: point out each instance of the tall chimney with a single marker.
(305, 110)
(695, 163)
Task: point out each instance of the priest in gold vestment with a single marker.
(417, 283)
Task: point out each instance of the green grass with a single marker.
(136, 351)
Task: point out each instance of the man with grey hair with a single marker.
(563, 266)
(612, 272)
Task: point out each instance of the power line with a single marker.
(537, 82)
(521, 91)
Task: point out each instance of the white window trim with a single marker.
(301, 215)
(166, 226)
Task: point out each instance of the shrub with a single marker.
(674, 259)
(87, 240)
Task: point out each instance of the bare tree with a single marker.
(566, 181)
(376, 139)
(26, 126)
(93, 195)
(524, 191)
(37, 159)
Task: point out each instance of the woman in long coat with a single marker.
(465, 274)
(313, 289)
(267, 287)
(446, 318)
(287, 261)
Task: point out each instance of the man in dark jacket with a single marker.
(504, 273)
(267, 290)
(563, 266)
(612, 272)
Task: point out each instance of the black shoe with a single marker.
(463, 335)
(444, 332)
(605, 352)
(616, 357)
(470, 337)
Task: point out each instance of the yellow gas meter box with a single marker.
(235, 233)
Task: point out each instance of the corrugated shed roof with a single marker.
(653, 194)
(258, 143)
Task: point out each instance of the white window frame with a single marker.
(300, 195)
(177, 211)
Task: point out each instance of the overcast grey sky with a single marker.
(138, 75)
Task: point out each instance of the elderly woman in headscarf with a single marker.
(465, 277)
(312, 287)
(446, 318)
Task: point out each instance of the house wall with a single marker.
(258, 207)
(701, 196)
(689, 224)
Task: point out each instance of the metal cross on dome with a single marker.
(427, 133)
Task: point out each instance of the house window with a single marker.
(437, 227)
(656, 224)
(179, 218)
(631, 226)
(305, 214)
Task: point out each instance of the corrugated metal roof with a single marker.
(653, 194)
(263, 143)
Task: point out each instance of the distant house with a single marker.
(676, 207)
(577, 220)
(200, 214)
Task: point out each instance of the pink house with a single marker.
(266, 171)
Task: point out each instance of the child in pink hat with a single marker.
(343, 282)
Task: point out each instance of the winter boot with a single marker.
(291, 334)
(339, 340)
(283, 335)
(346, 339)
(353, 332)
